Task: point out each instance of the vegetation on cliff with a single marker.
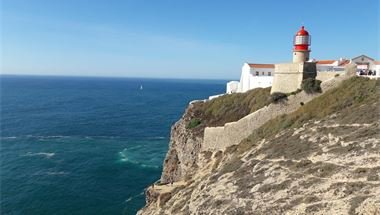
(311, 85)
(351, 95)
(227, 108)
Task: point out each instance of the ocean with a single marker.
(80, 145)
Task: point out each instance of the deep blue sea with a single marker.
(72, 145)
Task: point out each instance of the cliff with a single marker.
(188, 133)
(322, 157)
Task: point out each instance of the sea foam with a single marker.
(42, 154)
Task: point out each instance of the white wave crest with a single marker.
(43, 154)
(57, 173)
(124, 158)
(132, 197)
(52, 172)
(8, 138)
(156, 138)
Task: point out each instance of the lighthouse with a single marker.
(301, 44)
(288, 77)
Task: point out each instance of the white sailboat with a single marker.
(141, 87)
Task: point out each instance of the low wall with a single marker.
(233, 133)
(218, 138)
(324, 76)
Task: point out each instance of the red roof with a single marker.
(344, 62)
(260, 65)
(302, 32)
(377, 62)
(325, 61)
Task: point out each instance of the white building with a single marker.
(261, 75)
(331, 65)
(252, 76)
(367, 65)
(232, 87)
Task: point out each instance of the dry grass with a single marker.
(351, 95)
(227, 108)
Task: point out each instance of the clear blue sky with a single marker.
(177, 38)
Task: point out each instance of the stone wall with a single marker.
(288, 76)
(218, 138)
(324, 76)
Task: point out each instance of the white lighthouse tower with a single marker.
(301, 44)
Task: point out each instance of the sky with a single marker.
(177, 38)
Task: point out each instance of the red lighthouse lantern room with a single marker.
(301, 44)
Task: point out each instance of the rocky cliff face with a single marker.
(183, 149)
(186, 141)
(322, 159)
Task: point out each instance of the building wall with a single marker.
(261, 71)
(377, 68)
(232, 87)
(244, 78)
(288, 76)
(324, 76)
(325, 68)
(260, 81)
(300, 56)
(252, 78)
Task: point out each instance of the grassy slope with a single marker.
(228, 108)
(349, 99)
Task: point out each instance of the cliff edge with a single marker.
(323, 157)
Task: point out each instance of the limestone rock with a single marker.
(329, 164)
(183, 150)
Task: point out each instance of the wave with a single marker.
(60, 137)
(29, 136)
(156, 138)
(133, 197)
(8, 138)
(48, 136)
(42, 137)
(43, 154)
(57, 173)
(124, 158)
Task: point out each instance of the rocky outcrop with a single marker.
(183, 151)
(324, 167)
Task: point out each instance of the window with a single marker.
(269, 73)
(257, 73)
(301, 40)
(262, 73)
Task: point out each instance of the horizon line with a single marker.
(120, 77)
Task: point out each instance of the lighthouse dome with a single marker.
(302, 32)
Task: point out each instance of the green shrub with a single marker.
(193, 123)
(311, 85)
(277, 97)
(336, 75)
